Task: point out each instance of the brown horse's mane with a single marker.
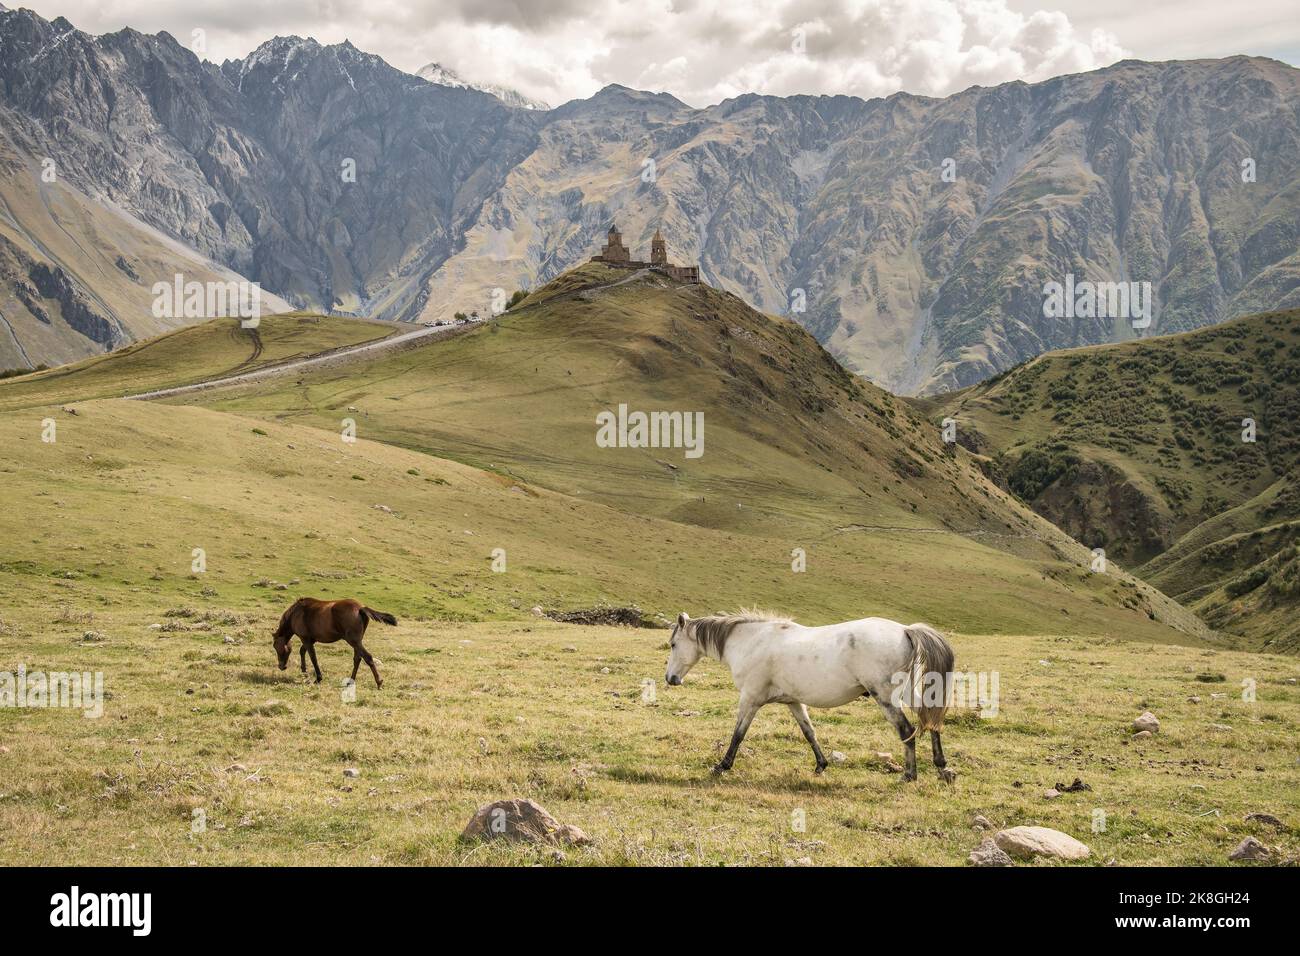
(711, 632)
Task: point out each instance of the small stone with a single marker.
(1250, 849)
(537, 611)
(988, 853)
(236, 768)
(351, 772)
(1194, 699)
(568, 649)
(1147, 721)
(1051, 794)
(1141, 734)
(981, 822)
(1222, 728)
(838, 756)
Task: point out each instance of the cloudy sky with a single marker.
(703, 52)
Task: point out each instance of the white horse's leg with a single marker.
(906, 734)
(805, 724)
(744, 717)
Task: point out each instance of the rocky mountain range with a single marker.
(913, 236)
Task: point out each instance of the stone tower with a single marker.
(658, 250)
(614, 250)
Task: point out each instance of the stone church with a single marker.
(614, 253)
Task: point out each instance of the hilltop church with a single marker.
(614, 253)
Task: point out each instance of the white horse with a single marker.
(776, 661)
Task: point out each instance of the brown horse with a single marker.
(325, 622)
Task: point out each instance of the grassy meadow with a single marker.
(472, 712)
(158, 543)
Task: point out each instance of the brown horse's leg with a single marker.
(370, 661)
(302, 656)
(311, 649)
(356, 660)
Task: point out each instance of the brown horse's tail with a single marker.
(383, 616)
(930, 672)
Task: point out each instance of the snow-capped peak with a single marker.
(442, 76)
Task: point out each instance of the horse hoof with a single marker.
(821, 768)
(909, 778)
(720, 769)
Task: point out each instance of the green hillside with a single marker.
(487, 441)
(191, 354)
(1141, 449)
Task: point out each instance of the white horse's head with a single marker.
(684, 651)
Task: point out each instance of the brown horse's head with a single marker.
(281, 649)
(283, 635)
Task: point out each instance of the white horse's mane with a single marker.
(712, 632)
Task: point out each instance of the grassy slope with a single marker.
(797, 453)
(192, 354)
(1138, 448)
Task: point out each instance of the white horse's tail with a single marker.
(930, 670)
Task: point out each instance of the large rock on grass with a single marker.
(521, 820)
(1024, 843)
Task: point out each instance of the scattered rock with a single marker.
(1222, 728)
(1141, 734)
(1267, 819)
(988, 853)
(522, 820)
(1194, 699)
(981, 822)
(1027, 842)
(537, 611)
(838, 757)
(886, 760)
(1250, 849)
(236, 768)
(1147, 721)
(351, 772)
(1051, 794)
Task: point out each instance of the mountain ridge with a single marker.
(1129, 172)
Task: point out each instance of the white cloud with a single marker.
(561, 49)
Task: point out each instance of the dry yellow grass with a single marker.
(476, 712)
